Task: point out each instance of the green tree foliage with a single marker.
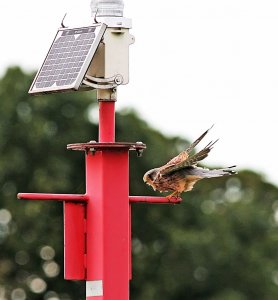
(219, 244)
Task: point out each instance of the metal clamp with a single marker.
(103, 83)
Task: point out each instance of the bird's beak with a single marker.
(145, 178)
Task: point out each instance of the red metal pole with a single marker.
(106, 121)
(130, 242)
(108, 232)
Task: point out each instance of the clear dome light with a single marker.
(107, 8)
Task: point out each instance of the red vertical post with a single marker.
(108, 233)
(130, 243)
(106, 121)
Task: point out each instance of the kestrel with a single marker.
(181, 172)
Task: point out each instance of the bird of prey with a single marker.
(181, 172)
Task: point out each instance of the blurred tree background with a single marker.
(221, 243)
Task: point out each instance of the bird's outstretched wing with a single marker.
(184, 159)
(193, 160)
(195, 143)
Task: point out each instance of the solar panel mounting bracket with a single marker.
(103, 83)
(112, 55)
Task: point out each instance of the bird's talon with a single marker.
(174, 199)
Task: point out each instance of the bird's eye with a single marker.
(151, 176)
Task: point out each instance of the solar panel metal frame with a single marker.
(99, 31)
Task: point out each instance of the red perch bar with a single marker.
(59, 197)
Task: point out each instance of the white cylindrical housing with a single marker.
(107, 8)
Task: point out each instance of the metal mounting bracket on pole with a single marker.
(103, 83)
(112, 57)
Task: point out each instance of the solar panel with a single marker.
(68, 59)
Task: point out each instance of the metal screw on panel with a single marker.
(119, 79)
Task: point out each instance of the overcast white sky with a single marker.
(193, 64)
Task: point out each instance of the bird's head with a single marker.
(150, 176)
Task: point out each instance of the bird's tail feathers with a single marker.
(206, 173)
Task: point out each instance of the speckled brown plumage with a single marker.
(181, 172)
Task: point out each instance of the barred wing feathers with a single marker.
(184, 159)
